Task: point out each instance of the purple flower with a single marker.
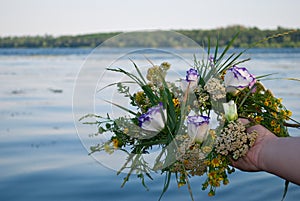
(191, 80)
(192, 75)
(237, 78)
(154, 119)
(198, 126)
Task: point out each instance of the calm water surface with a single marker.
(42, 157)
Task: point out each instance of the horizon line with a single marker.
(146, 29)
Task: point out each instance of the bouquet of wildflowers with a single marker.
(193, 123)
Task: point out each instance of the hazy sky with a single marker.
(61, 17)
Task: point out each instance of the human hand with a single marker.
(253, 161)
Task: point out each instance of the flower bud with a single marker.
(230, 111)
(154, 119)
(198, 127)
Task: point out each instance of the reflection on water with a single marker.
(42, 158)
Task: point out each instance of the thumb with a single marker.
(244, 121)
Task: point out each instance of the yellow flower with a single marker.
(176, 102)
(266, 103)
(279, 100)
(277, 130)
(126, 130)
(186, 162)
(274, 114)
(139, 96)
(206, 162)
(211, 193)
(212, 175)
(115, 142)
(206, 149)
(212, 134)
(180, 184)
(225, 181)
(273, 123)
(258, 119)
(289, 113)
(215, 162)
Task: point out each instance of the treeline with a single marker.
(247, 37)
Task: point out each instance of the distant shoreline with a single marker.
(247, 37)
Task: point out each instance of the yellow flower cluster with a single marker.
(264, 108)
(115, 142)
(176, 102)
(141, 100)
(216, 174)
(155, 74)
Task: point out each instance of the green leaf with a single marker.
(286, 186)
(166, 185)
(293, 79)
(230, 43)
(116, 83)
(121, 107)
(139, 72)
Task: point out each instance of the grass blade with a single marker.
(121, 107)
(286, 186)
(166, 185)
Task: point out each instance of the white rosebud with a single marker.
(198, 127)
(230, 111)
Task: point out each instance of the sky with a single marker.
(73, 17)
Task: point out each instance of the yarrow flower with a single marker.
(215, 89)
(237, 78)
(198, 126)
(235, 140)
(154, 119)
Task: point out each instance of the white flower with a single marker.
(198, 126)
(192, 75)
(237, 78)
(191, 80)
(154, 119)
(230, 111)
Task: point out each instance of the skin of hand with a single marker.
(276, 155)
(252, 161)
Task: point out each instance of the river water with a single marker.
(42, 157)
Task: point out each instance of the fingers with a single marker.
(244, 121)
(244, 164)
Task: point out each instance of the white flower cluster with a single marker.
(215, 88)
(234, 140)
(189, 156)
